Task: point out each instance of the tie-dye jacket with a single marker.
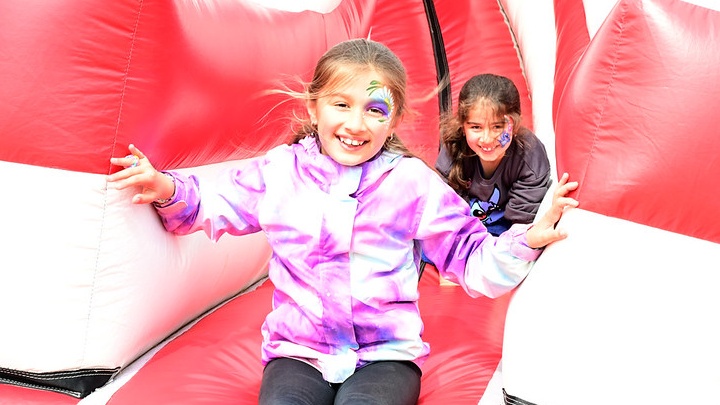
(345, 243)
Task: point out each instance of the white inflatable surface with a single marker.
(106, 290)
(628, 308)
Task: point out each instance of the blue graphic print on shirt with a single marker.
(490, 212)
(487, 211)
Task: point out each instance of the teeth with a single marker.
(351, 142)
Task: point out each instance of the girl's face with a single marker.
(354, 122)
(488, 135)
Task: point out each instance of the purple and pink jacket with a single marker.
(345, 249)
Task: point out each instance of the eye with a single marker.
(375, 112)
(341, 104)
(377, 109)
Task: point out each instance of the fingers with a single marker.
(135, 151)
(564, 187)
(563, 179)
(135, 165)
(543, 233)
(558, 208)
(129, 170)
(556, 235)
(545, 230)
(126, 162)
(137, 172)
(146, 194)
(143, 198)
(135, 157)
(134, 160)
(567, 202)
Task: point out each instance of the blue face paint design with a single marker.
(505, 136)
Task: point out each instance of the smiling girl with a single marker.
(346, 208)
(497, 165)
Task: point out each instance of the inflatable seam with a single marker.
(112, 149)
(513, 400)
(76, 383)
(612, 74)
(40, 387)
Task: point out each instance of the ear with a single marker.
(396, 122)
(311, 106)
(510, 124)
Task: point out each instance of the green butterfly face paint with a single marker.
(381, 102)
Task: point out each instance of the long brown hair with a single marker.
(497, 93)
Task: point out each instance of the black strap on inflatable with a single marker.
(76, 383)
(511, 400)
(441, 67)
(441, 62)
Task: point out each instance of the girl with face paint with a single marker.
(498, 166)
(346, 209)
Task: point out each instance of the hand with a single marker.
(543, 232)
(139, 172)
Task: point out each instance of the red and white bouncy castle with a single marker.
(102, 306)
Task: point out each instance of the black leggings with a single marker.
(293, 382)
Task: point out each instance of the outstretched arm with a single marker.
(138, 171)
(544, 232)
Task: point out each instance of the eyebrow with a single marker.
(478, 123)
(336, 94)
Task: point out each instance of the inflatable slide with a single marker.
(102, 306)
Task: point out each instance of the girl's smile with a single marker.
(351, 142)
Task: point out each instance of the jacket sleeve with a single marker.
(465, 252)
(225, 204)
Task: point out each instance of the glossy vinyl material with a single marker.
(100, 282)
(634, 123)
(621, 311)
(217, 361)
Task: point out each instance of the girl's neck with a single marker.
(488, 168)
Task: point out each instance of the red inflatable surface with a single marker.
(633, 112)
(218, 360)
(634, 123)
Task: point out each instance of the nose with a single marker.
(355, 120)
(487, 135)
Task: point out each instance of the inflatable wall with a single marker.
(104, 307)
(621, 311)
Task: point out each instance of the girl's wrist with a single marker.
(529, 238)
(163, 201)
